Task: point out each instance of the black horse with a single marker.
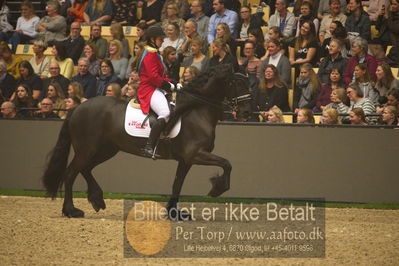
(96, 131)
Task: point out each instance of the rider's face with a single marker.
(158, 42)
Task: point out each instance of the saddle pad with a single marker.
(135, 117)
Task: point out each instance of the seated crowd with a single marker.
(326, 57)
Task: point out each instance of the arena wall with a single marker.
(338, 164)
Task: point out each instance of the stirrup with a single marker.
(151, 153)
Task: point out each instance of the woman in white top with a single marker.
(40, 62)
(173, 39)
(26, 26)
(118, 61)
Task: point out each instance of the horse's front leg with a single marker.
(181, 173)
(220, 184)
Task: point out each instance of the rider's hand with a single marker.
(167, 86)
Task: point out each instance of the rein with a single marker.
(203, 99)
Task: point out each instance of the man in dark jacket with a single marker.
(55, 76)
(46, 109)
(7, 82)
(75, 43)
(87, 80)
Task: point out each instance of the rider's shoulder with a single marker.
(150, 49)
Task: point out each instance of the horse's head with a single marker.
(239, 96)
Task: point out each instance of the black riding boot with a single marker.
(155, 133)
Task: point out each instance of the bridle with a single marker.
(235, 101)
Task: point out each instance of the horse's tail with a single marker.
(53, 177)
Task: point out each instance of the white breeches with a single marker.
(159, 105)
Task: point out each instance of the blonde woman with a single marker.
(40, 62)
(223, 32)
(197, 59)
(305, 116)
(172, 16)
(75, 89)
(222, 55)
(275, 115)
(330, 117)
(307, 89)
(114, 90)
(54, 92)
(98, 12)
(118, 61)
(116, 30)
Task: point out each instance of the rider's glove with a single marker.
(179, 86)
(167, 86)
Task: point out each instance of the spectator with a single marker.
(275, 115)
(307, 90)
(305, 116)
(337, 96)
(85, 78)
(98, 12)
(26, 26)
(223, 33)
(7, 82)
(222, 15)
(173, 37)
(388, 28)
(335, 14)
(189, 73)
(55, 76)
(96, 39)
(362, 78)
(10, 59)
(114, 90)
(182, 7)
(23, 99)
(151, 13)
(71, 103)
(306, 15)
(392, 100)
(172, 63)
(190, 32)
(390, 116)
(246, 22)
(90, 52)
(279, 60)
(222, 55)
(64, 6)
(54, 92)
(8, 110)
(5, 27)
(251, 65)
(298, 5)
(60, 56)
(330, 117)
(199, 18)
(385, 80)
(256, 35)
(375, 8)
(172, 16)
(119, 63)
(123, 11)
(75, 43)
(107, 76)
(197, 59)
(116, 30)
(53, 26)
(272, 92)
(324, 97)
(359, 49)
(358, 23)
(138, 49)
(141, 28)
(46, 110)
(333, 60)
(75, 89)
(129, 91)
(274, 33)
(324, 8)
(76, 12)
(355, 95)
(40, 62)
(29, 78)
(338, 32)
(357, 117)
(303, 49)
(283, 19)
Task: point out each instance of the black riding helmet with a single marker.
(154, 32)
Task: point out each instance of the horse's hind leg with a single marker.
(94, 191)
(220, 184)
(68, 208)
(181, 173)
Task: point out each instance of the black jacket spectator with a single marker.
(8, 84)
(89, 84)
(34, 82)
(273, 96)
(60, 79)
(228, 59)
(74, 48)
(327, 64)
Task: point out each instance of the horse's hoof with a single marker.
(98, 204)
(218, 187)
(179, 216)
(73, 213)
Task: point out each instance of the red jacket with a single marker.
(354, 61)
(152, 72)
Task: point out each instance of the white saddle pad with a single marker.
(133, 124)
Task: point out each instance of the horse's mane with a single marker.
(197, 82)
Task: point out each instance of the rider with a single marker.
(153, 80)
